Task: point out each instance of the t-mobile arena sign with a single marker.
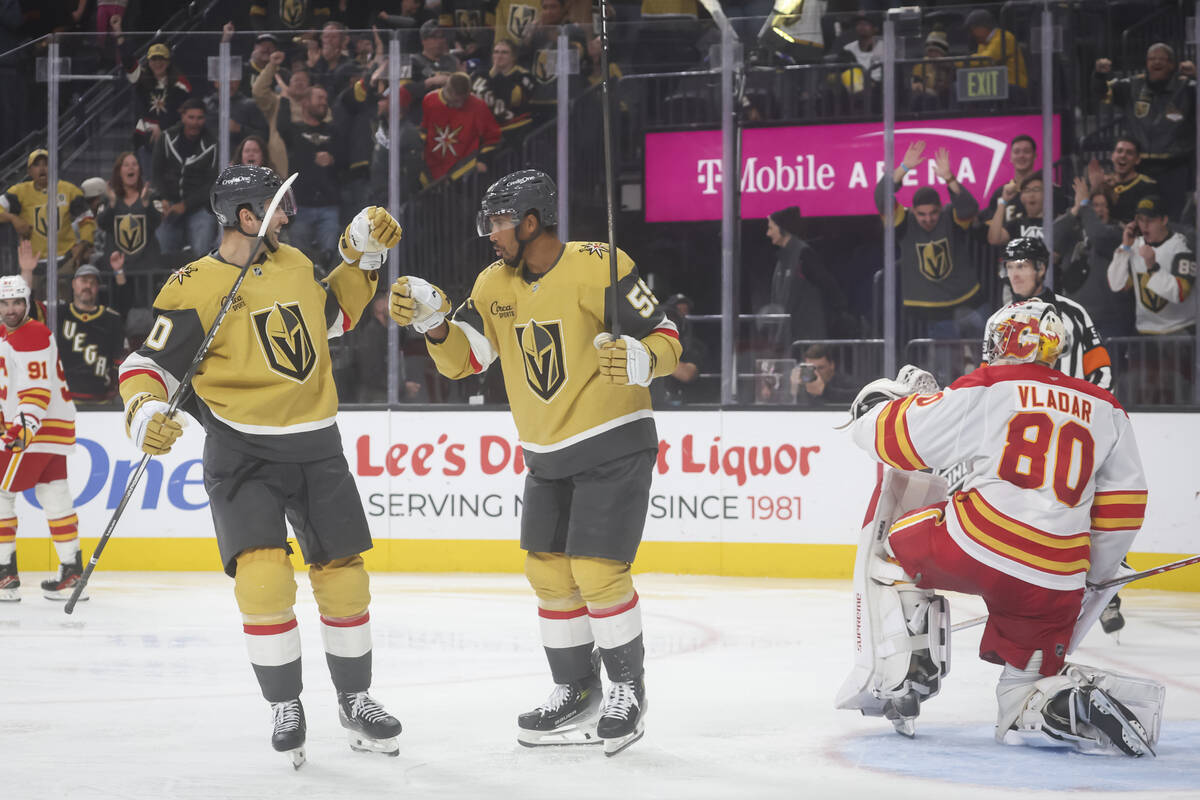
(827, 170)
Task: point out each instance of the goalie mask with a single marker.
(1025, 333)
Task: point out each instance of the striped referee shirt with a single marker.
(1087, 357)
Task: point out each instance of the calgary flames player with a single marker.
(39, 434)
(1053, 502)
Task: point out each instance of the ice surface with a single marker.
(146, 692)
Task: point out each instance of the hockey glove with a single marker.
(19, 435)
(149, 427)
(417, 302)
(910, 380)
(625, 361)
(372, 230)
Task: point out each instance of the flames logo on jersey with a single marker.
(545, 363)
(933, 259)
(286, 343)
(131, 233)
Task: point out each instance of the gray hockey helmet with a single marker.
(245, 185)
(508, 200)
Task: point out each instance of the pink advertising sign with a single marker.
(827, 170)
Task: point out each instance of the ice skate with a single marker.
(623, 720)
(1110, 716)
(289, 729)
(370, 728)
(568, 716)
(10, 582)
(69, 575)
(1111, 618)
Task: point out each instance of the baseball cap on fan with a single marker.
(1151, 206)
(94, 187)
(159, 50)
(35, 155)
(85, 270)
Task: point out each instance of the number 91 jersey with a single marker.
(1056, 491)
(32, 384)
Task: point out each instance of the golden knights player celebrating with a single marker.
(266, 398)
(582, 410)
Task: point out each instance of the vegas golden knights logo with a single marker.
(933, 259)
(285, 341)
(1151, 301)
(292, 12)
(542, 348)
(131, 233)
(39, 220)
(519, 18)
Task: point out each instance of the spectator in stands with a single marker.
(23, 205)
(1128, 185)
(279, 99)
(1029, 222)
(933, 79)
(316, 153)
(1022, 156)
(130, 220)
(458, 129)
(244, 116)
(1085, 237)
(289, 15)
(797, 279)
(412, 147)
(506, 88)
(14, 88)
(1159, 110)
(683, 386)
(999, 47)
(185, 166)
(335, 69)
(264, 45)
(252, 151)
(1159, 265)
(433, 66)
(867, 48)
(939, 280)
(817, 382)
(541, 47)
(159, 91)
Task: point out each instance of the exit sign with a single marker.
(982, 83)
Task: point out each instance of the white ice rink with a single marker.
(145, 692)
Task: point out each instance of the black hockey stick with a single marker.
(609, 178)
(1121, 581)
(181, 392)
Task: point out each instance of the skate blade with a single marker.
(361, 744)
(64, 594)
(1130, 732)
(295, 756)
(560, 737)
(614, 746)
(906, 727)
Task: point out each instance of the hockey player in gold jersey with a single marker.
(265, 396)
(582, 410)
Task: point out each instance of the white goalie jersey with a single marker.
(1056, 493)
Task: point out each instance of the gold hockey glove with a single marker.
(625, 361)
(417, 302)
(373, 230)
(149, 427)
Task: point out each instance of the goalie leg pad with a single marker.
(1089, 709)
(902, 638)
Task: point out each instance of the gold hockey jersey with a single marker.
(542, 327)
(265, 386)
(75, 219)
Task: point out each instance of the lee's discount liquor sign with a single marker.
(827, 170)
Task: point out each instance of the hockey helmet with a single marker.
(1027, 332)
(508, 200)
(1027, 248)
(246, 185)
(13, 287)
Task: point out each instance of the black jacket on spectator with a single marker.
(412, 160)
(1161, 115)
(1087, 245)
(793, 286)
(130, 228)
(184, 169)
(422, 69)
(317, 186)
(1129, 193)
(90, 346)
(838, 392)
(242, 110)
(936, 270)
(335, 78)
(354, 121)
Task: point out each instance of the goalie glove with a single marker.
(20, 434)
(417, 302)
(373, 230)
(624, 361)
(909, 380)
(148, 426)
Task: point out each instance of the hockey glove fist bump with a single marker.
(624, 361)
(368, 237)
(20, 434)
(417, 302)
(149, 427)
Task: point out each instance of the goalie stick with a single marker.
(1137, 576)
(181, 392)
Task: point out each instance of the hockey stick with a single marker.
(181, 392)
(609, 178)
(1121, 581)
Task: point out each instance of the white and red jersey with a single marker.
(32, 383)
(1056, 492)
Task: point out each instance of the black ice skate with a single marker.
(1110, 716)
(623, 720)
(69, 575)
(1111, 619)
(371, 729)
(288, 734)
(567, 717)
(10, 582)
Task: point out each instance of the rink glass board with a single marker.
(827, 170)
